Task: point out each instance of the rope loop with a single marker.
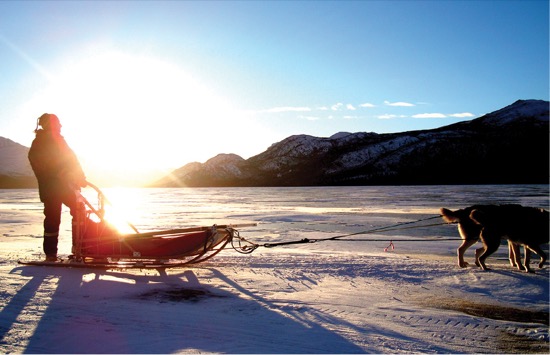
(242, 245)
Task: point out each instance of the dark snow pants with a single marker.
(52, 212)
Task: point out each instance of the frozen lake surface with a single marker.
(348, 296)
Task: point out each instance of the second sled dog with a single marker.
(527, 226)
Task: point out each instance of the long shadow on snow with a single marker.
(314, 319)
(94, 311)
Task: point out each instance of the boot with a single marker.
(50, 245)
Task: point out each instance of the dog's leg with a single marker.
(515, 255)
(512, 252)
(527, 261)
(537, 249)
(462, 249)
(491, 245)
(479, 252)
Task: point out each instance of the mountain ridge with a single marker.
(499, 147)
(489, 149)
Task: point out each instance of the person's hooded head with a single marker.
(48, 122)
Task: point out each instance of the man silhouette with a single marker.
(59, 173)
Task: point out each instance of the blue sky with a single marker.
(154, 85)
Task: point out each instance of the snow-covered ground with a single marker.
(324, 297)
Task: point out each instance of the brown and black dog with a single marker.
(527, 226)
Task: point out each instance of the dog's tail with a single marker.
(449, 216)
(479, 217)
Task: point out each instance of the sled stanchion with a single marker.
(102, 199)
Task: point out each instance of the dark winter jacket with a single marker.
(55, 165)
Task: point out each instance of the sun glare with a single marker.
(121, 206)
(127, 116)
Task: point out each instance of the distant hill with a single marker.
(507, 146)
(15, 169)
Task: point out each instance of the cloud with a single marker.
(366, 104)
(462, 115)
(287, 109)
(399, 104)
(386, 117)
(309, 118)
(389, 116)
(429, 115)
(337, 106)
(350, 107)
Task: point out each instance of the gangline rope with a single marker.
(245, 246)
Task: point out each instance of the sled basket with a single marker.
(95, 240)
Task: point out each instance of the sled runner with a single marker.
(96, 243)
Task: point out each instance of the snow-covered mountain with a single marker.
(506, 146)
(520, 111)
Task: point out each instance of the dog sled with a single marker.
(98, 244)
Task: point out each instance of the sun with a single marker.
(131, 116)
